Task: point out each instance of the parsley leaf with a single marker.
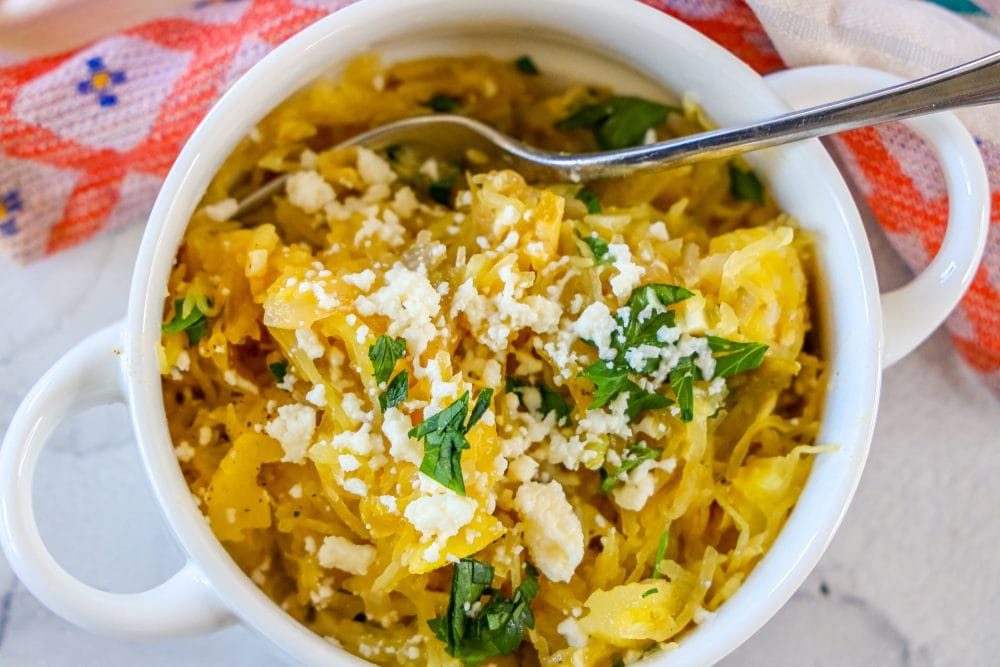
(498, 627)
(736, 357)
(661, 550)
(590, 200)
(745, 185)
(618, 122)
(384, 354)
(480, 408)
(525, 65)
(397, 391)
(651, 591)
(278, 370)
(440, 191)
(682, 377)
(639, 399)
(444, 439)
(635, 455)
(193, 323)
(610, 380)
(598, 247)
(444, 103)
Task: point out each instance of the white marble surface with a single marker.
(912, 578)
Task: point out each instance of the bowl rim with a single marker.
(855, 390)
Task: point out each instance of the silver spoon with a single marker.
(971, 84)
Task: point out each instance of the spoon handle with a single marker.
(974, 83)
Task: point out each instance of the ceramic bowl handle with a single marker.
(911, 313)
(87, 376)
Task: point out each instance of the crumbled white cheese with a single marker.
(597, 325)
(658, 231)
(348, 462)
(410, 302)
(404, 202)
(373, 169)
(523, 468)
(355, 486)
(361, 442)
(552, 530)
(629, 273)
(339, 553)
(396, 427)
(293, 428)
(441, 515)
(571, 631)
(317, 395)
(222, 210)
(308, 190)
(362, 280)
(641, 482)
(308, 342)
(430, 169)
(184, 451)
(295, 491)
(389, 502)
(204, 435)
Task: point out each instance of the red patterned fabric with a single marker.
(87, 137)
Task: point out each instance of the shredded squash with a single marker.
(642, 521)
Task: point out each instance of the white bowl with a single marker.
(597, 40)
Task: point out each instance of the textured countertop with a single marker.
(912, 578)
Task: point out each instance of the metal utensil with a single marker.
(971, 84)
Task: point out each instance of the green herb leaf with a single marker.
(618, 122)
(384, 354)
(480, 408)
(610, 380)
(598, 247)
(397, 391)
(639, 399)
(745, 185)
(635, 455)
(651, 591)
(444, 439)
(736, 357)
(590, 200)
(444, 103)
(440, 191)
(661, 550)
(682, 377)
(525, 65)
(193, 324)
(278, 370)
(663, 294)
(498, 628)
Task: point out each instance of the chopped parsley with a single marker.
(550, 399)
(443, 103)
(682, 377)
(189, 318)
(735, 357)
(598, 247)
(744, 185)
(498, 627)
(639, 325)
(651, 591)
(278, 370)
(635, 455)
(618, 122)
(525, 65)
(397, 391)
(590, 200)
(444, 439)
(661, 550)
(384, 354)
(440, 190)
